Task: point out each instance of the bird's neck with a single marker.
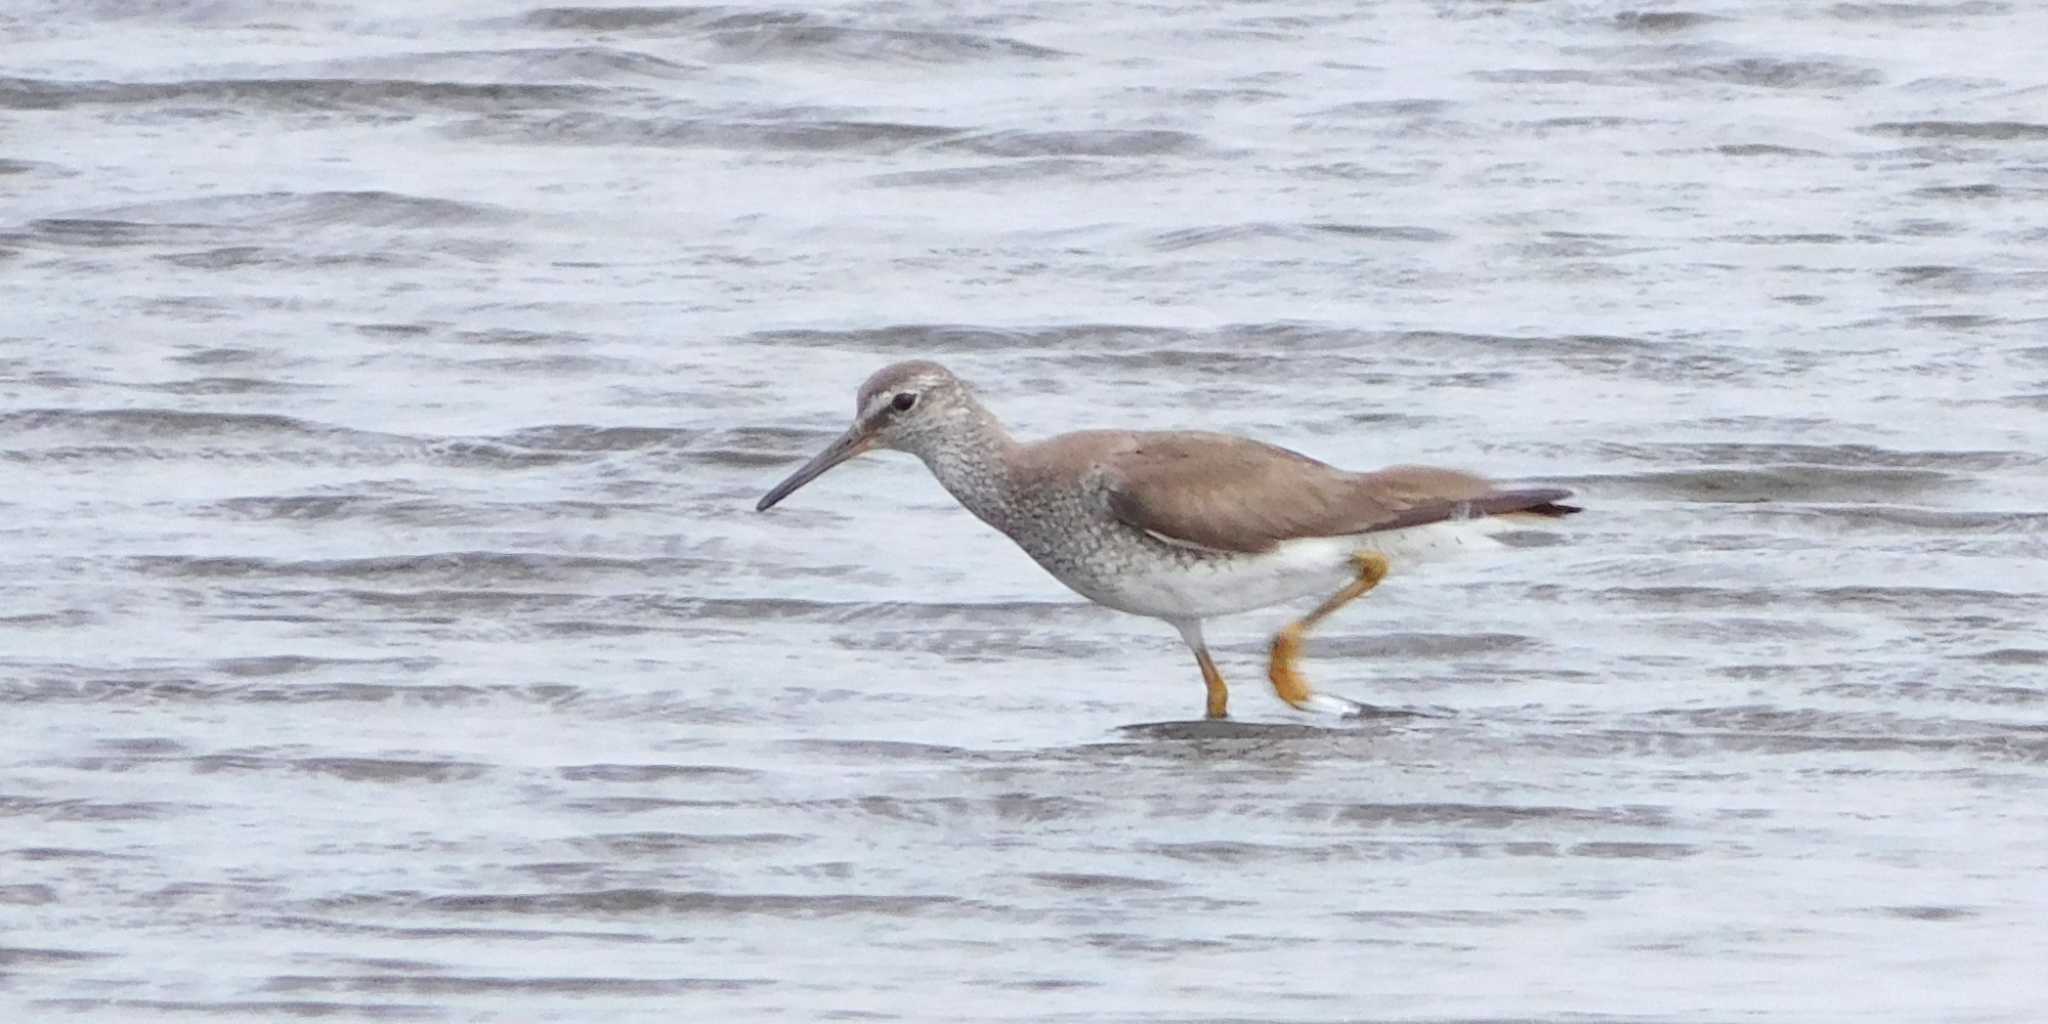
(972, 461)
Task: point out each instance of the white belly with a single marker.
(1312, 566)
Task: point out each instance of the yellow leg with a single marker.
(1219, 695)
(1293, 689)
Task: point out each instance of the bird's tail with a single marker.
(1544, 502)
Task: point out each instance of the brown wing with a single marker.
(1236, 494)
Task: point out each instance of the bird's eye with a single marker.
(904, 400)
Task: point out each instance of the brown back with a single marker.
(1236, 494)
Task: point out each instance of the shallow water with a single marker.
(387, 634)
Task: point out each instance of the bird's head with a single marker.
(904, 406)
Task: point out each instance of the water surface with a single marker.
(387, 634)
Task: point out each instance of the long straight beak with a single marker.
(856, 440)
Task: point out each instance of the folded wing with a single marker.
(1235, 494)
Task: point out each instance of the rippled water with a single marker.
(387, 634)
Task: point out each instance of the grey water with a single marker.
(386, 632)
